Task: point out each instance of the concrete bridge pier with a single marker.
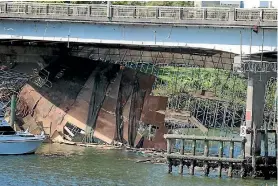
(255, 102)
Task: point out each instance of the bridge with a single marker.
(204, 66)
(140, 14)
(181, 27)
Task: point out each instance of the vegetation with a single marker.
(140, 3)
(156, 3)
(224, 84)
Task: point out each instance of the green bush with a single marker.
(223, 84)
(156, 3)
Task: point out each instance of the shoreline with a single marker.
(145, 156)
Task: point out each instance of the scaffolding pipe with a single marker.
(262, 45)
(13, 109)
(250, 49)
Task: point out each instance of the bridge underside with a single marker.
(223, 39)
(121, 54)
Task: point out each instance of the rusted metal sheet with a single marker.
(154, 114)
(137, 105)
(156, 103)
(42, 110)
(106, 122)
(158, 142)
(151, 111)
(123, 103)
(146, 81)
(106, 125)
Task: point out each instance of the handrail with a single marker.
(171, 7)
(171, 155)
(68, 4)
(210, 138)
(152, 13)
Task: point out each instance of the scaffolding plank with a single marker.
(200, 126)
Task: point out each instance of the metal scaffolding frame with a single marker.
(200, 81)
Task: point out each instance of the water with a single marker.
(88, 166)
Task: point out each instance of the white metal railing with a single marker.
(218, 14)
(166, 13)
(81, 11)
(18, 9)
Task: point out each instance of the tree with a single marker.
(132, 3)
(88, 2)
(171, 3)
(156, 3)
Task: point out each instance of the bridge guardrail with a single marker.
(85, 11)
(256, 14)
(170, 12)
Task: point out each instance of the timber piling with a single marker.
(240, 164)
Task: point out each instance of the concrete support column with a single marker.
(232, 14)
(109, 13)
(6, 8)
(204, 14)
(89, 11)
(261, 14)
(259, 91)
(157, 13)
(255, 110)
(181, 14)
(26, 9)
(13, 111)
(47, 9)
(249, 106)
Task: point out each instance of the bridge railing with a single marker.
(85, 11)
(256, 14)
(170, 12)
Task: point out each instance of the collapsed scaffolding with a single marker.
(201, 82)
(11, 83)
(206, 85)
(198, 82)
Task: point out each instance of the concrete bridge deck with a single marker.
(118, 14)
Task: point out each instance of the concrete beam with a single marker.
(29, 50)
(159, 36)
(27, 54)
